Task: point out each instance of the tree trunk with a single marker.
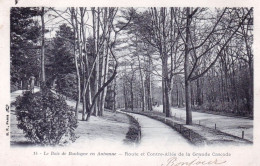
(166, 87)
(251, 87)
(186, 71)
(188, 103)
(84, 107)
(76, 65)
(143, 103)
(104, 74)
(114, 95)
(125, 96)
(42, 47)
(96, 53)
(150, 94)
(177, 95)
(84, 66)
(163, 95)
(132, 95)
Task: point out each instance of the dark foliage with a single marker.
(46, 118)
(60, 68)
(24, 42)
(67, 85)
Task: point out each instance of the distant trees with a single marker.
(201, 49)
(82, 52)
(60, 68)
(24, 34)
(195, 46)
(27, 45)
(94, 56)
(42, 13)
(154, 27)
(44, 116)
(201, 58)
(225, 87)
(136, 69)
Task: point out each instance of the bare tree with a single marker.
(212, 42)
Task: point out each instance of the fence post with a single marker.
(199, 122)
(215, 126)
(243, 134)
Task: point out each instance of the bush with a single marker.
(14, 87)
(226, 107)
(45, 118)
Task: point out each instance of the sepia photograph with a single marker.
(160, 85)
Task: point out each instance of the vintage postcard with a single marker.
(169, 83)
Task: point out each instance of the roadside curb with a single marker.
(192, 136)
(134, 133)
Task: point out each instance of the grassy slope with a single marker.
(110, 128)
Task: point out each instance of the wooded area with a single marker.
(137, 58)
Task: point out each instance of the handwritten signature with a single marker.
(174, 161)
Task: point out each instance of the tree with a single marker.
(155, 28)
(24, 35)
(200, 48)
(94, 56)
(60, 61)
(42, 47)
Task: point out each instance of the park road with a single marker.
(157, 135)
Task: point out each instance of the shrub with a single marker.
(45, 118)
(14, 87)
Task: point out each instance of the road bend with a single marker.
(157, 134)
